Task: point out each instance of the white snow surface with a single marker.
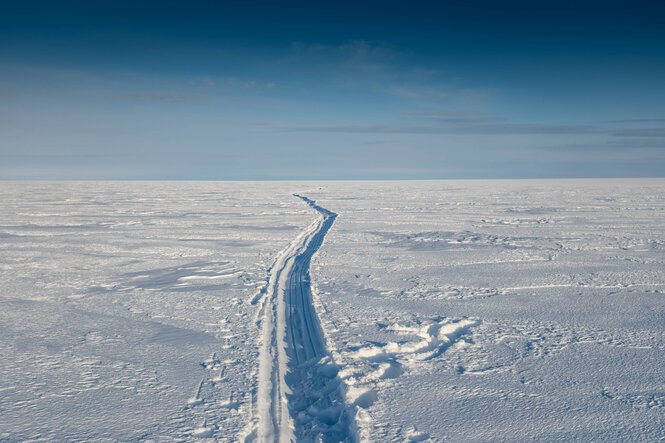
(128, 309)
(442, 311)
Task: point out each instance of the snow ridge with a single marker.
(300, 396)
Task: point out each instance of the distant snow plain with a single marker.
(527, 310)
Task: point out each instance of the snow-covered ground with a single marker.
(452, 310)
(499, 311)
(127, 310)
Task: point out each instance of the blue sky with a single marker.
(331, 90)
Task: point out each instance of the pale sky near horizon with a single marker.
(331, 90)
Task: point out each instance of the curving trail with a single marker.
(299, 396)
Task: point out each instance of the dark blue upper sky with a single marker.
(222, 90)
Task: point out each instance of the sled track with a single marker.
(299, 395)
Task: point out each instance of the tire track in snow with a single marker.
(299, 395)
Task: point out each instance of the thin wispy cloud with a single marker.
(642, 132)
(415, 91)
(8, 92)
(455, 116)
(46, 157)
(627, 144)
(489, 129)
(639, 120)
(206, 81)
(166, 96)
(359, 50)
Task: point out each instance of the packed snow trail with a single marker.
(299, 396)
